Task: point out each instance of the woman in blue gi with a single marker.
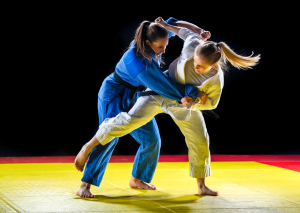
(138, 66)
(199, 65)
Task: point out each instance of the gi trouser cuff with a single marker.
(102, 138)
(200, 172)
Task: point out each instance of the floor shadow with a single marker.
(180, 202)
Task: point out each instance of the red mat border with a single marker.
(162, 158)
(295, 166)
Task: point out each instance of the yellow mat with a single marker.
(243, 187)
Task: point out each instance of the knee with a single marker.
(154, 142)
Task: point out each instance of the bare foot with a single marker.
(84, 191)
(84, 153)
(204, 190)
(136, 183)
(81, 158)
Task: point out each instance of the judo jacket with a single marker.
(136, 70)
(212, 86)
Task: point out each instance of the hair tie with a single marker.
(218, 46)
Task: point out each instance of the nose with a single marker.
(164, 50)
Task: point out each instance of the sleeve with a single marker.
(185, 33)
(172, 21)
(164, 85)
(191, 41)
(209, 105)
(213, 98)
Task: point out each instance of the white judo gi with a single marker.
(190, 121)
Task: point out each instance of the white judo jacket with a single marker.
(212, 86)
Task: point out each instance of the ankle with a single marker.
(134, 179)
(85, 185)
(201, 182)
(201, 185)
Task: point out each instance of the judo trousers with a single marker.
(191, 124)
(147, 136)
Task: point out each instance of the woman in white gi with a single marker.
(200, 65)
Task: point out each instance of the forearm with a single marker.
(190, 26)
(171, 28)
(173, 25)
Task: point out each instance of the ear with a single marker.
(215, 64)
(148, 42)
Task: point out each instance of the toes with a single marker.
(152, 187)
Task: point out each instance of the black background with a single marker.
(56, 57)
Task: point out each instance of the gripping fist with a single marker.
(187, 100)
(203, 97)
(204, 35)
(160, 20)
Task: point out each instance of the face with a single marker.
(159, 46)
(201, 66)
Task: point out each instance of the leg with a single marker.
(146, 159)
(141, 113)
(95, 168)
(192, 125)
(100, 155)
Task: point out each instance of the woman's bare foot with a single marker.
(204, 190)
(84, 191)
(84, 153)
(81, 158)
(136, 183)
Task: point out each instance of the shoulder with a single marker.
(134, 63)
(189, 47)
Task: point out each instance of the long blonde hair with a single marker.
(221, 53)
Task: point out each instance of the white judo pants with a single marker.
(191, 124)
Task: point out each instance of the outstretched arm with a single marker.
(175, 29)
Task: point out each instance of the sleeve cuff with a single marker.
(171, 21)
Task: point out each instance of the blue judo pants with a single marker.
(147, 136)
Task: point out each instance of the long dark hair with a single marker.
(148, 31)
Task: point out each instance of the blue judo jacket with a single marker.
(137, 71)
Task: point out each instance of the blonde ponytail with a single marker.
(220, 53)
(238, 61)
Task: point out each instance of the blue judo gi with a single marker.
(114, 98)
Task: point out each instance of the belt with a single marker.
(210, 113)
(129, 86)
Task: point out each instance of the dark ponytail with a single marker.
(147, 31)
